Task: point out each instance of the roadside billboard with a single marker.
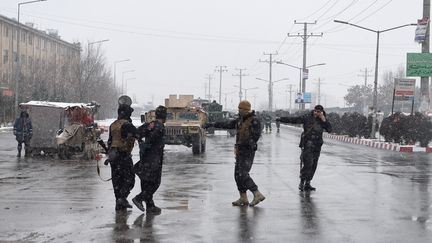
(404, 88)
(419, 65)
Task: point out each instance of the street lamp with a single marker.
(18, 59)
(271, 90)
(128, 71)
(115, 70)
(126, 85)
(300, 69)
(246, 89)
(375, 92)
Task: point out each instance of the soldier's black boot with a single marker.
(302, 185)
(138, 203)
(152, 208)
(308, 187)
(122, 204)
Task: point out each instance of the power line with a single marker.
(220, 69)
(240, 75)
(304, 36)
(270, 86)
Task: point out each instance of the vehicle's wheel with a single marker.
(196, 145)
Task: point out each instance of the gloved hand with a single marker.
(107, 161)
(277, 119)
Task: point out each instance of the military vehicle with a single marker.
(184, 124)
(215, 114)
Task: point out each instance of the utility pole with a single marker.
(365, 75)
(220, 69)
(290, 97)
(209, 78)
(424, 81)
(240, 75)
(319, 91)
(304, 36)
(270, 87)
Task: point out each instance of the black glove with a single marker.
(107, 161)
(278, 119)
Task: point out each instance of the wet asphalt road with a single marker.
(363, 195)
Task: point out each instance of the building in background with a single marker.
(49, 65)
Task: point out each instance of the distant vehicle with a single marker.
(64, 129)
(184, 124)
(215, 114)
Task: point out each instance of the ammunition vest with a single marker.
(122, 144)
(244, 131)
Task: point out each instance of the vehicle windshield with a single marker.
(170, 116)
(188, 116)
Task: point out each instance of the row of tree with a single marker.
(397, 128)
(83, 79)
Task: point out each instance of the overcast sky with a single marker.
(174, 44)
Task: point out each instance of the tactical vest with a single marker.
(244, 131)
(122, 144)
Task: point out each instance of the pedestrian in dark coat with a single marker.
(122, 135)
(149, 168)
(314, 124)
(23, 131)
(248, 132)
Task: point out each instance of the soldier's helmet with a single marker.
(124, 111)
(244, 105)
(161, 112)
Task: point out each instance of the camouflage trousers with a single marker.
(243, 165)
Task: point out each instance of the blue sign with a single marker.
(307, 97)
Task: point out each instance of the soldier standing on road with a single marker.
(248, 132)
(149, 168)
(23, 131)
(314, 124)
(122, 134)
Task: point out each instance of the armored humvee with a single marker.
(184, 124)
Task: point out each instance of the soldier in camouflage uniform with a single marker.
(149, 168)
(248, 132)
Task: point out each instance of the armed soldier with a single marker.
(149, 168)
(122, 135)
(314, 124)
(248, 132)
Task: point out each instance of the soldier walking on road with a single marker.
(314, 124)
(122, 135)
(149, 168)
(23, 131)
(248, 132)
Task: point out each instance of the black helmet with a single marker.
(161, 112)
(124, 111)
